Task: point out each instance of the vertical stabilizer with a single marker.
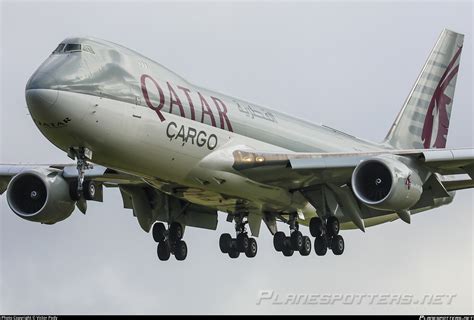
(423, 122)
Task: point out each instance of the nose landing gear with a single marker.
(80, 187)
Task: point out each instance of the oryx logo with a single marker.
(408, 182)
(438, 108)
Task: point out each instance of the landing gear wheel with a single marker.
(176, 231)
(158, 232)
(180, 250)
(316, 227)
(163, 251)
(89, 190)
(332, 226)
(279, 241)
(296, 240)
(306, 248)
(242, 242)
(252, 248)
(287, 251)
(234, 253)
(73, 192)
(225, 243)
(320, 246)
(81, 154)
(337, 245)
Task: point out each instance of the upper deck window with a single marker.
(72, 47)
(87, 48)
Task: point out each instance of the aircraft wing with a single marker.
(101, 175)
(106, 176)
(148, 204)
(290, 171)
(299, 170)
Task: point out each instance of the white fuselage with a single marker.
(138, 117)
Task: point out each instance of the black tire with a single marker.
(279, 241)
(242, 242)
(163, 251)
(306, 249)
(320, 246)
(332, 226)
(89, 188)
(158, 232)
(337, 245)
(287, 251)
(180, 250)
(73, 193)
(234, 253)
(296, 239)
(316, 227)
(252, 248)
(176, 231)
(225, 242)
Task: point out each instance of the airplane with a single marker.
(182, 155)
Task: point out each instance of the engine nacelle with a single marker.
(386, 183)
(40, 195)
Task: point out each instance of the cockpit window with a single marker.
(59, 48)
(71, 47)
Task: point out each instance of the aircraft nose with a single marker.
(39, 91)
(41, 80)
(41, 98)
(41, 101)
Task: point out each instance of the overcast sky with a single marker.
(349, 65)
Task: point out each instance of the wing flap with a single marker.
(69, 171)
(297, 170)
(454, 185)
(334, 162)
(449, 162)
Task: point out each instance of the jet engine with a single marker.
(386, 183)
(40, 195)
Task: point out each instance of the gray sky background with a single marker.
(349, 65)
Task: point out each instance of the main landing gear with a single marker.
(241, 244)
(170, 241)
(326, 235)
(295, 242)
